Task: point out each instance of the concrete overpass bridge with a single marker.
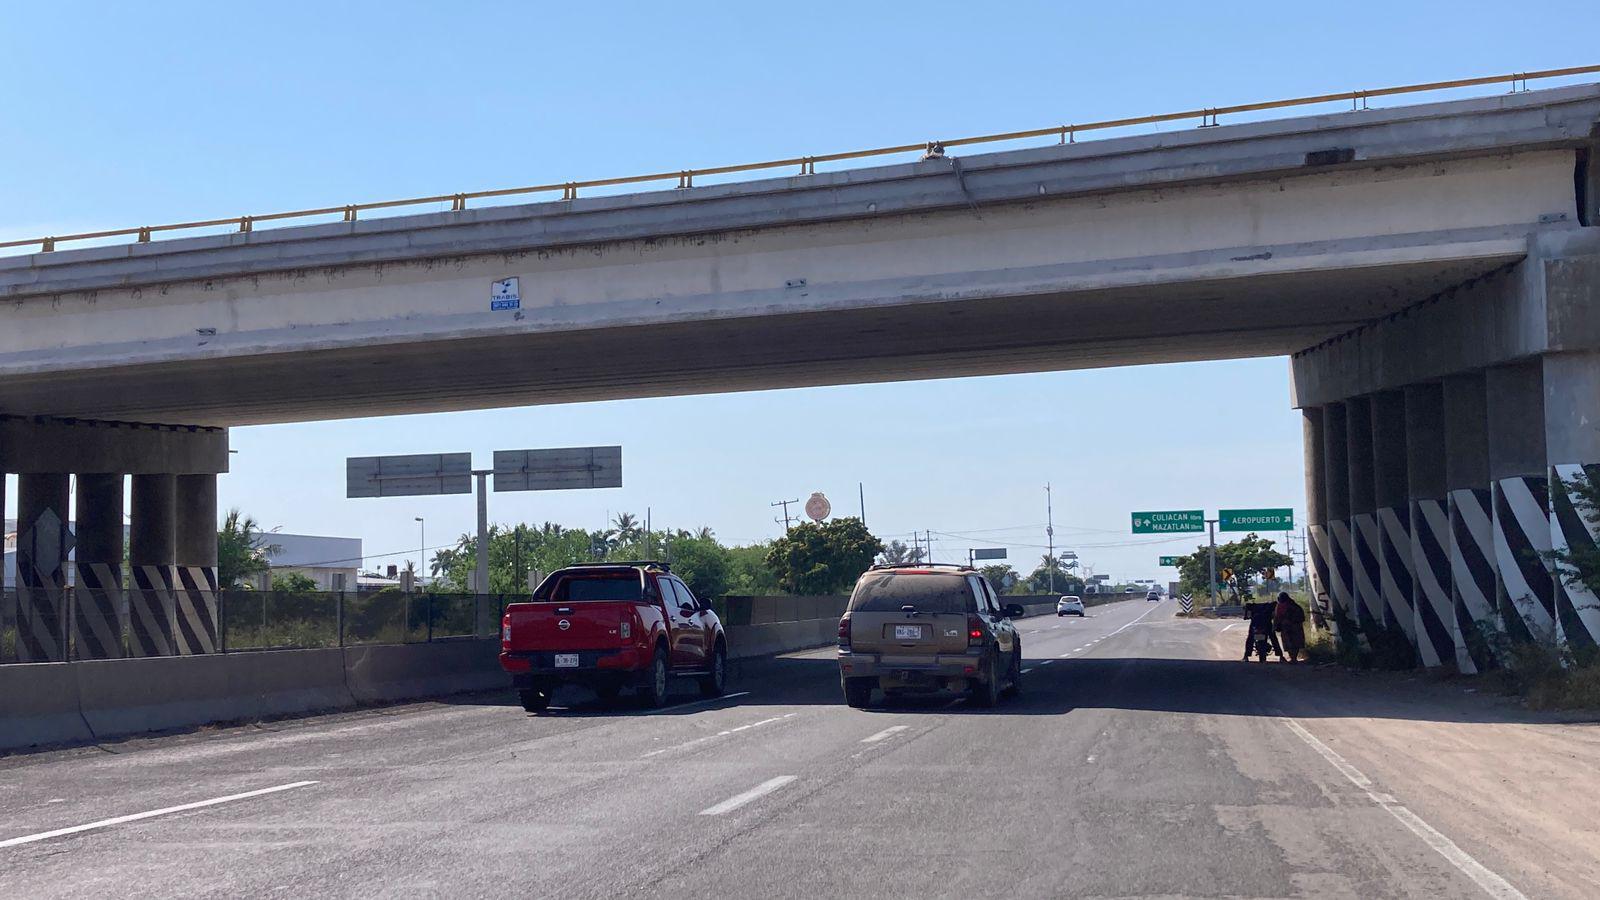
(1432, 269)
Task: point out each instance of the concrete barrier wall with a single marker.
(56, 703)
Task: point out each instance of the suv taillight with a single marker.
(974, 630)
(844, 632)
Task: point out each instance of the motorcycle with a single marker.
(1260, 643)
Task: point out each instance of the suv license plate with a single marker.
(908, 632)
(566, 660)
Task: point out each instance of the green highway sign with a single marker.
(1170, 560)
(1255, 520)
(1168, 522)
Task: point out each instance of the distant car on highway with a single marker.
(1069, 604)
(608, 627)
(922, 628)
(1153, 595)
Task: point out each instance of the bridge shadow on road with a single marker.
(1195, 686)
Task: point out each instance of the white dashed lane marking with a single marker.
(755, 793)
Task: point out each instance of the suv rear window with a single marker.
(609, 586)
(888, 591)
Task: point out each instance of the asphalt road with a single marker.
(1138, 761)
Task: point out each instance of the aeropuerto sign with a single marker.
(1255, 520)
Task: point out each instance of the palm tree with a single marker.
(626, 526)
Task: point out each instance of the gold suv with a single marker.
(923, 628)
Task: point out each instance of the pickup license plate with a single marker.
(908, 632)
(566, 660)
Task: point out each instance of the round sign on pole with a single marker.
(818, 507)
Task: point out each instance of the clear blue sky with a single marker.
(123, 114)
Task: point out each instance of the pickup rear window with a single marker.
(928, 593)
(579, 588)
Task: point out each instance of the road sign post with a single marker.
(1211, 530)
(975, 554)
(432, 474)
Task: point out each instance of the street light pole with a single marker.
(422, 548)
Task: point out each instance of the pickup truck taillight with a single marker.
(974, 631)
(844, 632)
(625, 630)
(505, 630)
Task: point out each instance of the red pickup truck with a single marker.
(611, 626)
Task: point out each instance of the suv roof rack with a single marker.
(957, 566)
(628, 564)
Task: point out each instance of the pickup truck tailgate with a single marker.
(585, 625)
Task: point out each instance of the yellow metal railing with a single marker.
(807, 164)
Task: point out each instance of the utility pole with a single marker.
(861, 492)
(1050, 536)
(786, 520)
(1211, 530)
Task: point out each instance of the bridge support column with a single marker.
(1472, 570)
(1336, 495)
(1520, 494)
(1367, 602)
(1395, 568)
(152, 555)
(1316, 507)
(1572, 446)
(43, 542)
(98, 605)
(1431, 602)
(196, 552)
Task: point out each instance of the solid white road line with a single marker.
(1027, 670)
(755, 793)
(104, 823)
(889, 732)
(1046, 662)
(1492, 884)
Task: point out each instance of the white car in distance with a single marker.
(1073, 605)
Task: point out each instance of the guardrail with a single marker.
(807, 165)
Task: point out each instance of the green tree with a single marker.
(1248, 558)
(701, 562)
(823, 558)
(1002, 577)
(897, 553)
(748, 572)
(242, 550)
(293, 583)
(1065, 582)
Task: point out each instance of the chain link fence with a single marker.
(79, 624)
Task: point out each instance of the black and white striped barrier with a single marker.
(98, 611)
(1186, 603)
(1571, 530)
(1430, 554)
(1471, 575)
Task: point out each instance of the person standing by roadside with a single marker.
(1290, 621)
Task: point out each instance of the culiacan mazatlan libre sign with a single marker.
(1169, 521)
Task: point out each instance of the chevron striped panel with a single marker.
(1317, 552)
(150, 611)
(1472, 575)
(1574, 529)
(1524, 587)
(1343, 593)
(41, 597)
(196, 604)
(1430, 596)
(1395, 569)
(1367, 570)
(97, 603)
